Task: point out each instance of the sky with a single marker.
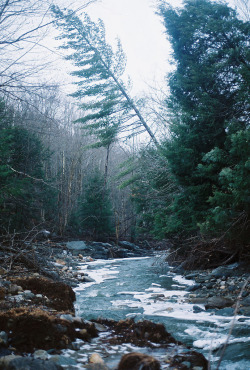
(142, 36)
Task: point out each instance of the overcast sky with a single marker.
(141, 33)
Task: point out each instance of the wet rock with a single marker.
(77, 247)
(192, 288)
(96, 367)
(3, 338)
(227, 311)
(87, 279)
(95, 358)
(128, 245)
(12, 362)
(246, 301)
(218, 302)
(191, 276)
(28, 294)
(40, 353)
(137, 360)
(224, 271)
(13, 289)
(62, 361)
(197, 309)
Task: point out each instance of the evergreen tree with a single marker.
(94, 214)
(23, 194)
(209, 97)
(107, 106)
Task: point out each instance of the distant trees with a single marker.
(24, 196)
(94, 215)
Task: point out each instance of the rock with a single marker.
(218, 302)
(95, 358)
(77, 247)
(246, 301)
(62, 361)
(87, 279)
(209, 285)
(137, 360)
(13, 289)
(100, 327)
(227, 311)
(40, 353)
(224, 271)
(96, 367)
(28, 294)
(194, 287)
(197, 309)
(128, 245)
(3, 338)
(67, 317)
(2, 271)
(191, 276)
(13, 362)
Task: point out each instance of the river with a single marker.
(144, 288)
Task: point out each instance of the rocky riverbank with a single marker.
(37, 318)
(223, 291)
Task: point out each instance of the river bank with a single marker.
(30, 297)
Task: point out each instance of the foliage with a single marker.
(200, 178)
(94, 210)
(23, 194)
(209, 92)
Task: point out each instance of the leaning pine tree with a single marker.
(107, 105)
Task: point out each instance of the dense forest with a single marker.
(71, 165)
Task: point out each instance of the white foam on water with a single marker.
(181, 280)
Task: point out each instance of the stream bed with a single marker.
(144, 288)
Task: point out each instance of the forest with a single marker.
(71, 163)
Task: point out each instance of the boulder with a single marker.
(218, 302)
(77, 247)
(137, 360)
(226, 271)
(13, 362)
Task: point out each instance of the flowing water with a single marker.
(144, 288)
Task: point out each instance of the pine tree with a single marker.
(209, 98)
(94, 214)
(107, 106)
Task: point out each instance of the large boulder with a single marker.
(219, 302)
(77, 247)
(13, 362)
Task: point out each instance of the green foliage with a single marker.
(22, 198)
(208, 152)
(95, 212)
(98, 69)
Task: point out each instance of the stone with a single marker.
(67, 317)
(13, 362)
(3, 338)
(137, 360)
(2, 271)
(209, 285)
(218, 302)
(197, 309)
(77, 247)
(224, 271)
(13, 289)
(194, 287)
(87, 279)
(95, 358)
(190, 276)
(40, 353)
(100, 327)
(28, 294)
(227, 311)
